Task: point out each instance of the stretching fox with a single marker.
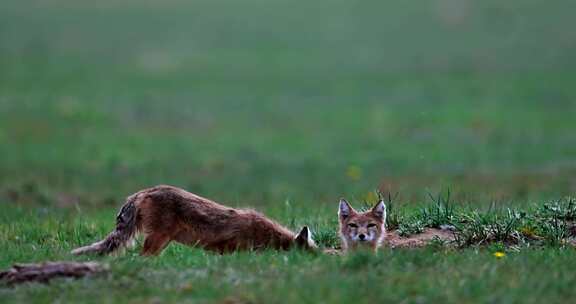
(166, 213)
(362, 229)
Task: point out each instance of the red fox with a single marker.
(166, 213)
(362, 229)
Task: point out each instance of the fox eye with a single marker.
(352, 225)
(371, 225)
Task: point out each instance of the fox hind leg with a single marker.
(154, 244)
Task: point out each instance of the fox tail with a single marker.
(124, 232)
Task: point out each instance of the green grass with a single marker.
(533, 270)
(287, 106)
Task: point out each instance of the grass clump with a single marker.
(548, 224)
(483, 228)
(441, 212)
(553, 222)
(410, 227)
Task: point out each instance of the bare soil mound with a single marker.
(394, 240)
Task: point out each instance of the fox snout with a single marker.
(366, 237)
(362, 234)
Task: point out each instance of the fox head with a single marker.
(362, 229)
(304, 239)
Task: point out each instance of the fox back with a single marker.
(362, 229)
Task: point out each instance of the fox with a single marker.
(361, 229)
(165, 213)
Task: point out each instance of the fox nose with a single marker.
(362, 237)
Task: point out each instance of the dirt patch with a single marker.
(394, 240)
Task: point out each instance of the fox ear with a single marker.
(379, 210)
(344, 209)
(304, 238)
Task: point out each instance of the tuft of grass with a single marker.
(483, 228)
(562, 209)
(393, 215)
(547, 224)
(440, 212)
(326, 236)
(554, 220)
(410, 227)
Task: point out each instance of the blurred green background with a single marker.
(256, 102)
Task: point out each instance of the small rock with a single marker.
(447, 227)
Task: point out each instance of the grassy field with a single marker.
(286, 106)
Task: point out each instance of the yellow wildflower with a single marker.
(499, 254)
(371, 197)
(354, 173)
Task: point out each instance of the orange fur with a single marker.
(165, 213)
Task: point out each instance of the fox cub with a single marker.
(164, 214)
(362, 229)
